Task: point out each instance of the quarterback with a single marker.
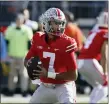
(57, 68)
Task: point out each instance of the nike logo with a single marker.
(56, 49)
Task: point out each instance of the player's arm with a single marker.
(31, 61)
(31, 53)
(70, 62)
(104, 56)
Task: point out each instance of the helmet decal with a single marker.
(58, 12)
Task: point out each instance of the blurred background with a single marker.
(84, 16)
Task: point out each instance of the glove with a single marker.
(32, 69)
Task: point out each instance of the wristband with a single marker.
(51, 75)
(39, 62)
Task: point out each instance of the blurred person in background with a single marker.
(3, 29)
(18, 38)
(3, 48)
(96, 26)
(32, 24)
(95, 73)
(74, 31)
(3, 59)
(35, 26)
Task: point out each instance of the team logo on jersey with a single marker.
(40, 47)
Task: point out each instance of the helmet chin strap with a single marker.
(51, 30)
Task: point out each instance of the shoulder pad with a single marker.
(71, 44)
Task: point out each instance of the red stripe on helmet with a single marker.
(58, 12)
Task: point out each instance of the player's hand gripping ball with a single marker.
(32, 68)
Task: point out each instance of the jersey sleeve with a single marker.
(70, 59)
(71, 45)
(33, 50)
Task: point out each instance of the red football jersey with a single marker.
(53, 55)
(93, 44)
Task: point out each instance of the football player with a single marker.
(57, 69)
(96, 48)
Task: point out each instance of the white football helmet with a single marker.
(55, 15)
(102, 19)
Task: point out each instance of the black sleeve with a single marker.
(29, 44)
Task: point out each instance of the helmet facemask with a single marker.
(55, 27)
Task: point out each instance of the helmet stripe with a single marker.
(58, 12)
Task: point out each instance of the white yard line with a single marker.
(19, 99)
